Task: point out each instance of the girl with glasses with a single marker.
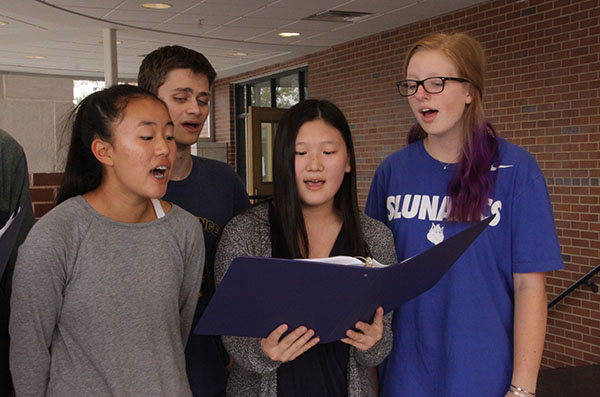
(106, 283)
(313, 214)
(480, 330)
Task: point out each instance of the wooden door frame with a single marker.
(256, 116)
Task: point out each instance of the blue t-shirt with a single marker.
(457, 338)
(214, 193)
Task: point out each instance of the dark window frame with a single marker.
(242, 92)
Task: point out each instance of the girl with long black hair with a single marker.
(313, 214)
(106, 283)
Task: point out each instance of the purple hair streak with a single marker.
(472, 183)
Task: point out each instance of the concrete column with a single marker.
(110, 56)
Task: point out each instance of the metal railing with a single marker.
(583, 280)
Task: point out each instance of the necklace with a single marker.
(444, 165)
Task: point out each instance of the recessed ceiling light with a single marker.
(238, 54)
(157, 6)
(289, 34)
(35, 57)
(118, 42)
(2, 23)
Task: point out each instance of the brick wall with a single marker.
(43, 187)
(543, 94)
(225, 117)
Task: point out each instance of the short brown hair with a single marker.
(160, 62)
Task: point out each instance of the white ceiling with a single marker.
(68, 32)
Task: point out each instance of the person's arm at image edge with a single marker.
(529, 329)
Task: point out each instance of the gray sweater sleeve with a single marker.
(381, 246)
(246, 352)
(192, 278)
(39, 279)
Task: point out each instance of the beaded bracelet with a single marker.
(520, 392)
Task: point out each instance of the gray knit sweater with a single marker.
(104, 308)
(255, 374)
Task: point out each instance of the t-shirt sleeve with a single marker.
(376, 201)
(240, 196)
(535, 246)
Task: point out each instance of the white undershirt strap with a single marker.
(158, 209)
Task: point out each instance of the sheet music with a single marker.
(347, 260)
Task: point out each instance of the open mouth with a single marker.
(190, 126)
(159, 172)
(428, 112)
(314, 183)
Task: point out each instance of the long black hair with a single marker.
(93, 118)
(292, 239)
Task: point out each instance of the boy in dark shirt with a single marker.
(207, 188)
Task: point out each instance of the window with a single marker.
(260, 94)
(287, 91)
(83, 88)
(280, 90)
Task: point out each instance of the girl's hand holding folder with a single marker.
(290, 346)
(369, 334)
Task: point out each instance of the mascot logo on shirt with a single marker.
(435, 234)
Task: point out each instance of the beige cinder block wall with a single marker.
(33, 109)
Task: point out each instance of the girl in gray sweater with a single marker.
(314, 213)
(106, 283)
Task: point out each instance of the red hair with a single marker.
(472, 182)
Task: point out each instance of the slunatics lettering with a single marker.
(431, 208)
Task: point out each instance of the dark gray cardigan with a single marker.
(255, 374)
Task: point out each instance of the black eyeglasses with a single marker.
(431, 85)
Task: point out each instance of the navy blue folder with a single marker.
(258, 294)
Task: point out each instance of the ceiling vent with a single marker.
(338, 16)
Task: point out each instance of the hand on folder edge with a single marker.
(286, 348)
(369, 334)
